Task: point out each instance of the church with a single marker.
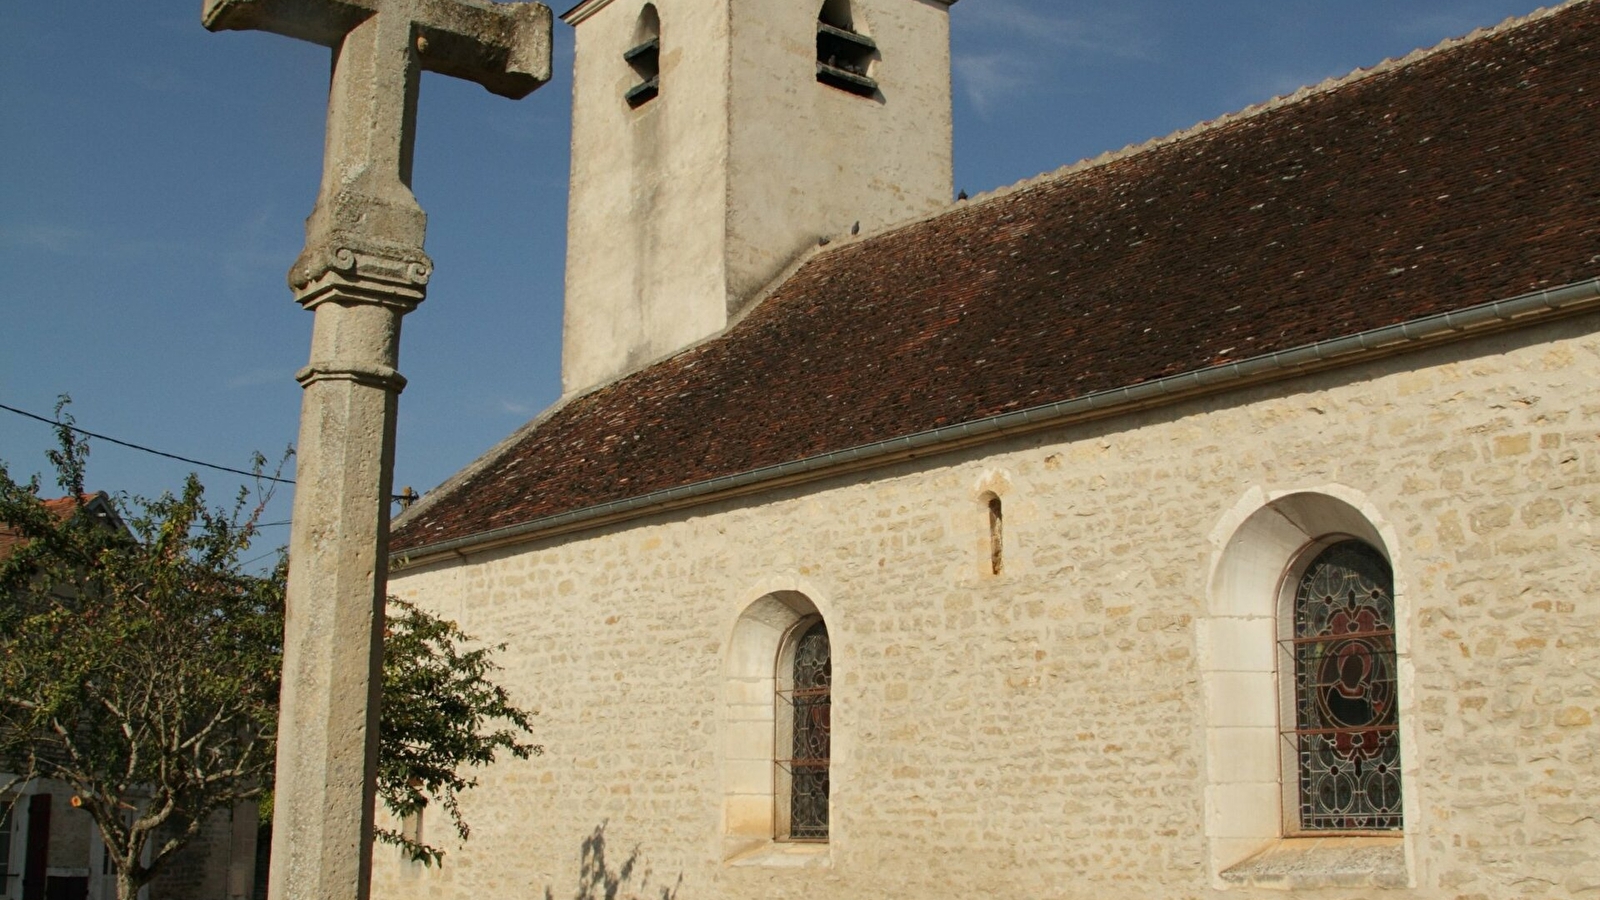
(1213, 518)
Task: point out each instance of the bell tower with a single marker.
(716, 141)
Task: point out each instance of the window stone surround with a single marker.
(751, 806)
(1311, 863)
(1249, 845)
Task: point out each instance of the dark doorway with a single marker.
(36, 860)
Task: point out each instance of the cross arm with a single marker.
(503, 46)
(324, 22)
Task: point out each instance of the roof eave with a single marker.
(1415, 334)
(583, 11)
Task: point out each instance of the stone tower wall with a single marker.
(682, 209)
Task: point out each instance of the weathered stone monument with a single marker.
(362, 269)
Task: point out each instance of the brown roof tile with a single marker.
(61, 507)
(1460, 177)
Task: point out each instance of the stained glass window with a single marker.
(1346, 735)
(808, 705)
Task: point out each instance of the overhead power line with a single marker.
(144, 449)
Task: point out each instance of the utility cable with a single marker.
(406, 498)
(131, 446)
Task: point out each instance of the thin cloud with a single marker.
(64, 240)
(257, 378)
(49, 238)
(1116, 35)
(1427, 27)
(527, 127)
(1015, 46)
(259, 246)
(1268, 85)
(515, 408)
(988, 77)
(159, 80)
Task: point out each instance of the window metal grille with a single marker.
(1346, 734)
(808, 704)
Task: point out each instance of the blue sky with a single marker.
(155, 178)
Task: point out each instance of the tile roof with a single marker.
(1456, 177)
(61, 507)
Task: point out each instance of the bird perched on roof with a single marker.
(856, 228)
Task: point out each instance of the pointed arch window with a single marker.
(644, 57)
(804, 711)
(844, 53)
(1344, 732)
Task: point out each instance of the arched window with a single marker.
(804, 710)
(1306, 679)
(1339, 643)
(844, 52)
(644, 56)
(778, 727)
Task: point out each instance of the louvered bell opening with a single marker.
(843, 58)
(645, 59)
(643, 93)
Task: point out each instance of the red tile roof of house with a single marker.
(1456, 177)
(61, 507)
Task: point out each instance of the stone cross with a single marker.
(362, 269)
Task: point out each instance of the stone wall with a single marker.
(1044, 732)
(69, 835)
(218, 864)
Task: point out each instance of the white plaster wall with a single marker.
(648, 192)
(808, 161)
(1044, 732)
(683, 209)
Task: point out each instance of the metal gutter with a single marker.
(1309, 357)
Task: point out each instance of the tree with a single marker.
(139, 666)
(438, 703)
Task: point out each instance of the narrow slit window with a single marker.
(644, 57)
(844, 55)
(996, 536)
(1345, 740)
(411, 826)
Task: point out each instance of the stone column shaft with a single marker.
(362, 269)
(338, 552)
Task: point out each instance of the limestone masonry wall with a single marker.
(1043, 732)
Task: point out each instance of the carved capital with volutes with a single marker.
(355, 269)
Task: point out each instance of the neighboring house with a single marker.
(1212, 518)
(51, 850)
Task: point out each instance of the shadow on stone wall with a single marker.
(598, 881)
